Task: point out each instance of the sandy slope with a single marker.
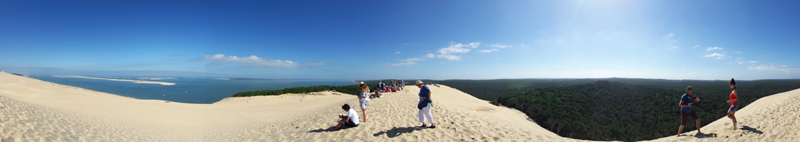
(772, 118)
(38, 110)
(31, 109)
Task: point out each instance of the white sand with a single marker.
(35, 110)
(111, 79)
(773, 118)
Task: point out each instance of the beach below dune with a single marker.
(34, 110)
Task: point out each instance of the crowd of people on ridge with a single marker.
(424, 105)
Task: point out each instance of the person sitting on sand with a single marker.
(376, 95)
(687, 109)
(734, 101)
(349, 120)
(425, 104)
(363, 99)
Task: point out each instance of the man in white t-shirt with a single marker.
(349, 120)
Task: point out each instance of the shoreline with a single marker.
(111, 79)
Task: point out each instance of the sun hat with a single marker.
(361, 83)
(418, 82)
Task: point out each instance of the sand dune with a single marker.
(772, 118)
(33, 110)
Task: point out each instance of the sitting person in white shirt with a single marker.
(349, 120)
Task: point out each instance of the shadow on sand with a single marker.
(394, 132)
(330, 129)
(747, 128)
(702, 135)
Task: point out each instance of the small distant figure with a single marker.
(425, 104)
(687, 109)
(734, 101)
(381, 86)
(363, 99)
(349, 120)
(402, 84)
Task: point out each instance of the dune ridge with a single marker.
(34, 110)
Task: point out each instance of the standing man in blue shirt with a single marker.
(687, 110)
(425, 104)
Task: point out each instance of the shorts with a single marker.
(350, 124)
(363, 103)
(733, 108)
(685, 117)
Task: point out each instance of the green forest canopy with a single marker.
(625, 109)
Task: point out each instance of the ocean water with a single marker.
(187, 89)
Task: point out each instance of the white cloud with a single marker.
(398, 52)
(488, 50)
(405, 62)
(670, 35)
(782, 68)
(449, 57)
(501, 46)
(714, 48)
(752, 62)
(430, 55)
(257, 61)
(455, 48)
(717, 55)
(674, 47)
(695, 46)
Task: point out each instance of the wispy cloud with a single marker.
(501, 46)
(743, 62)
(405, 62)
(175, 54)
(695, 46)
(398, 52)
(782, 68)
(254, 60)
(488, 50)
(715, 55)
(714, 48)
(670, 35)
(448, 52)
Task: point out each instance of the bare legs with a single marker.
(364, 111)
(696, 123)
(732, 117)
(340, 122)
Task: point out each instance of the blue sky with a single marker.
(404, 39)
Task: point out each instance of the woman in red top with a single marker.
(734, 102)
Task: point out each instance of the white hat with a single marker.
(418, 82)
(361, 83)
